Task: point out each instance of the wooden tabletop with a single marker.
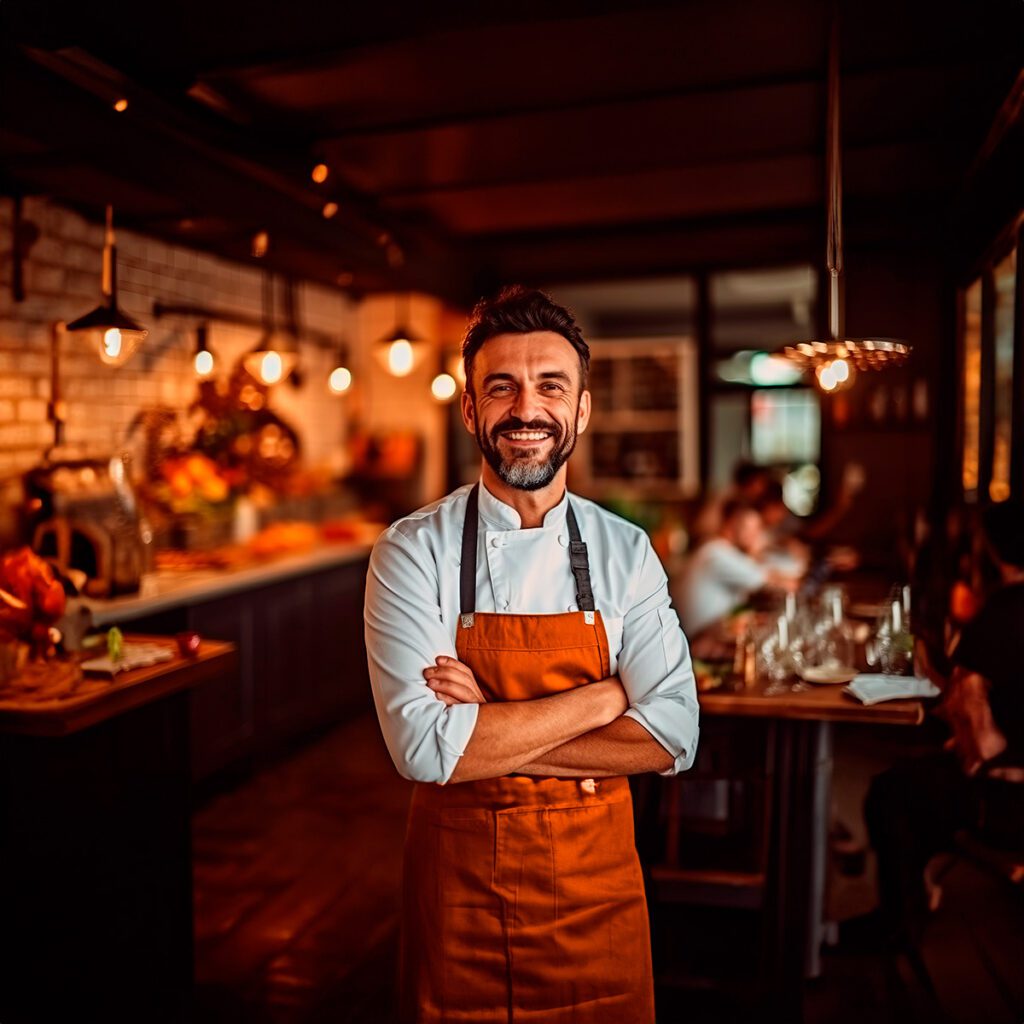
(97, 698)
(818, 703)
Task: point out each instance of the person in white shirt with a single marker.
(726, 570)
(524, 657)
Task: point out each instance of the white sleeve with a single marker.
(404, 634)
(654, 666)
(735, 569)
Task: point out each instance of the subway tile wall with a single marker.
(61, 277)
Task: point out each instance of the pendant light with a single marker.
(272, 359)
(203, 361)
(836, 360)
(114, 334)
(401, 350)
(340, 378)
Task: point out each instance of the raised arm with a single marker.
(426, 737)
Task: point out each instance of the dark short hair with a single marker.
(773, 495)
(736, 507)
(519, 310)
(1003, 524)
(745, 472)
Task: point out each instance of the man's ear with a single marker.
(468, 412)
(583, 416)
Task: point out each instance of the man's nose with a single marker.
(526, 407)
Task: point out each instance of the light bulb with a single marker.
(826, 377)
(203, 362)
(443, 387)
(271, 368)
(841, 371)
(112, 343)
(400, 358)
(340, 380)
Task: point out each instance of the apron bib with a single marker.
(523, 899)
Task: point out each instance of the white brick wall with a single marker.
(62, 281)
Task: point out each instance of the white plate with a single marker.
(828, 675)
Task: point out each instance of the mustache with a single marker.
(514, 423)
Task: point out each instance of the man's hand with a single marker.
(453, 682)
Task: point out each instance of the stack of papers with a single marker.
(873, 688)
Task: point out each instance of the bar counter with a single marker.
(167, 589)
(297, 623)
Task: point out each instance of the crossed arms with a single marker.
(580, 732)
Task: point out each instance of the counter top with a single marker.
(96, 699)
(165, 589)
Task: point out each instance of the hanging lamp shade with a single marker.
(401, 351)
(837, 359)
(112, 332)
(274, 357)
(271, 360)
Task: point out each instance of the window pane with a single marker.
(1005, 281)
(971, 397)
(785, 426)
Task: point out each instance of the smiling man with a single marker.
(525, 658)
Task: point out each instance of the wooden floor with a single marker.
(296, 887)
(297, 874)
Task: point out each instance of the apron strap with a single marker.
(579, 561)
(467, 570)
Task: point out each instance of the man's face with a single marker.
(748, 533)
(527, 406)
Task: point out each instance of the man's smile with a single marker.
(526, 437)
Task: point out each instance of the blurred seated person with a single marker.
(726, 570)
(914, 810)
(749, 482)
(784, 549)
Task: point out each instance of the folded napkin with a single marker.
(873, 688)
(137, 655)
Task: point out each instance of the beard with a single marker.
(524, 470)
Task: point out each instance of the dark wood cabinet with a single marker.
(301, 662)
(223, 713)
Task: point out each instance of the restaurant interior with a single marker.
(239, 245)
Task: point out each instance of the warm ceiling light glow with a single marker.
(111, 345)
(319, 173)
(443, 387)
(204, 362)
(340, 380)
(841, 371)
(330, 209)
(400, 357)
(271, 367)
(260, 244)
(121, 105)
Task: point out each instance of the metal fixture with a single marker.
(837, 359)
(400, 351)
(114, 334)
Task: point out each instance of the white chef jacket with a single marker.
(412, 612)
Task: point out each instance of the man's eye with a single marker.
(552, 386)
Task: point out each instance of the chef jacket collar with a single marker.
(498, 515)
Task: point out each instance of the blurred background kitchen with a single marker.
(238, 246)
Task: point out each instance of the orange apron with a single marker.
(523, 899)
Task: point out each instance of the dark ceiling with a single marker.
(470, 142)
